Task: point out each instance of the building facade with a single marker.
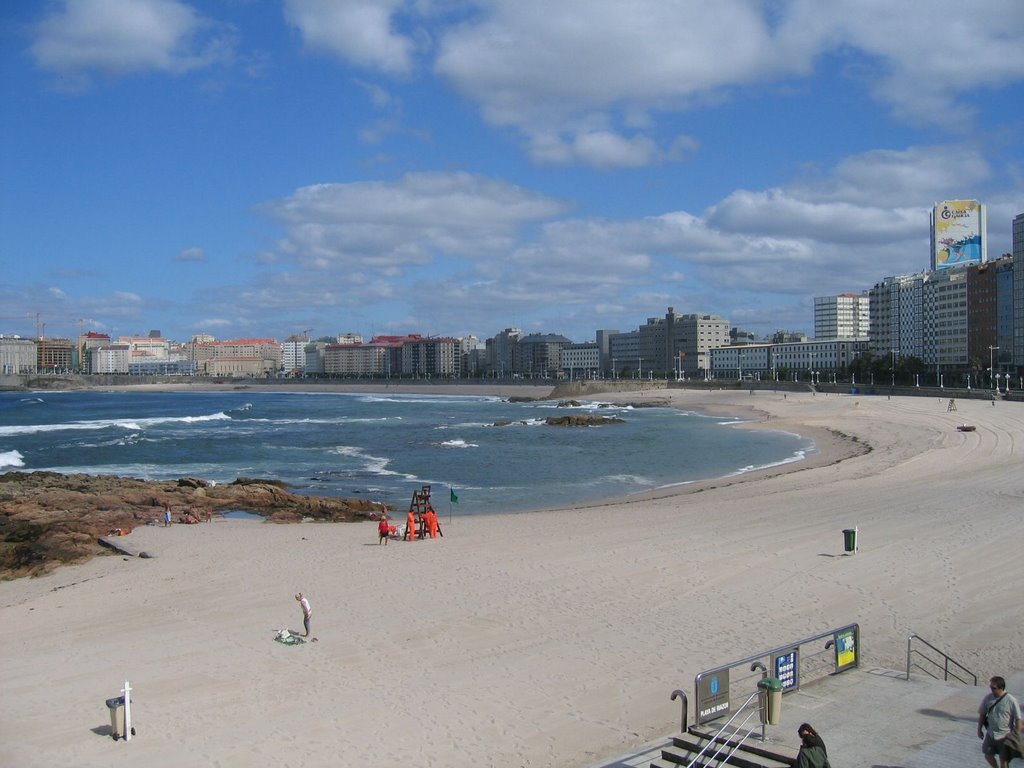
(846, 316)
(17, 355)
(1018, 290)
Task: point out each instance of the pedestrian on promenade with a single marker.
(307, 612)
(812, 752)
(998, 717)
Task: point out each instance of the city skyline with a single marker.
(251, 170)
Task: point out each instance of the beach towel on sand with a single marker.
(286, 637)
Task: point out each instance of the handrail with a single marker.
(947, 672)
(754, 660)
(721, 746)
(676, 694)
(778, 649)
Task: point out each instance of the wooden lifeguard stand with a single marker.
(419, 506)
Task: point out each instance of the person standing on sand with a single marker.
(307, 612)
(383, 530)
(167, 515)
(812, 749)
(998, 715)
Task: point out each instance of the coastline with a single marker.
(548, 638)
(830, 446)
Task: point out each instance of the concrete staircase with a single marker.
(752, 753)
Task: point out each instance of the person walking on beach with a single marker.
(307, 612)
(167, 515)
(998, 717)
(383, 530)
(812, 752)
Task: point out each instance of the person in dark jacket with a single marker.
(812, 749)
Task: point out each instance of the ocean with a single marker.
(382, 446)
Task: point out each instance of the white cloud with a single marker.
(927, 56)
(388, 227)
(118, 37)
(191, 254)
(576, 76)
(359, 31)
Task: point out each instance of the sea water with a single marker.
(479, 454)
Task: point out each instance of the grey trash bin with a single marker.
(116, 707)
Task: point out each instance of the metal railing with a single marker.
(945, 664)
(722, 741)
(812, 665)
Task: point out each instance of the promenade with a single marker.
(874, 718)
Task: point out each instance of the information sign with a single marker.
(846, 648)
(712, 696)
(787, 669)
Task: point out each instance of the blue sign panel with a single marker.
(787, 669)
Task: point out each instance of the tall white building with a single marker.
(896, 311)
(944, 319)
(1018, 290)
(846, 316)
(293, 354)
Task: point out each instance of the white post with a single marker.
(856, 538)
(127, 711)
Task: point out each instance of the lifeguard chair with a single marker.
(418, 508)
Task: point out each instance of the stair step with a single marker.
(684, 748)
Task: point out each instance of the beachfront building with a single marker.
(238, 357)
(87, 344)
(293, 355)
(695, 336)
(432, 356)
(990, 317)
(624, 355)
(846, 316)
(540, 355)
(54, 355)
(354, 359)
(474, 356)
(1018, 290)
(944, 320)
(742, 361)
(503, 352)
(678, 344)
(604, 346)
(897, 314)
(581, 361)
(813, 360)
(111, 358)
(17, 355)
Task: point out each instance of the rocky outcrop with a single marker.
(48, 518)
(582, 420)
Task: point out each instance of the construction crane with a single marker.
(305, 332)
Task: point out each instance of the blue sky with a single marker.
(252, 168)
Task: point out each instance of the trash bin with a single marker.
(769, 696)
(116, 707)
(850, 539)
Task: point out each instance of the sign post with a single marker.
(127, 711)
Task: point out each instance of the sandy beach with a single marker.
(536, 639)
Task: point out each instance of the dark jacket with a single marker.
(812, 757)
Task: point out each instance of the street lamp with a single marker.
(893, 367)
(991, 364)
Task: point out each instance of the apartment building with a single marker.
(846, 316)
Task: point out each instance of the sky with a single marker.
(261, 168)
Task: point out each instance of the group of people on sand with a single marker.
(416, 526)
